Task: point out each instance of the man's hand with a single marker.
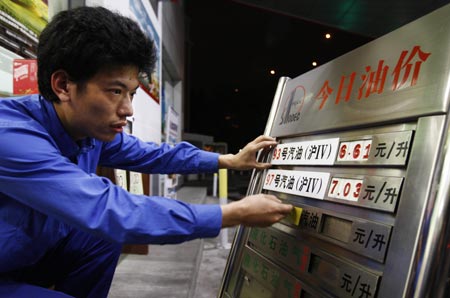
(259, 210)
(245, 159)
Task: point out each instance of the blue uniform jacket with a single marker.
(44, 194)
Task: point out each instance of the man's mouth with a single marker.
(118, 127)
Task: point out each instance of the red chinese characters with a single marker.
(373, 80)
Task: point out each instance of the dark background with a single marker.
(230, 50)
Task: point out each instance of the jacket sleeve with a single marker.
(129, 152)
(34, 173)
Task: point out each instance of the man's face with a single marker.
(100, 107)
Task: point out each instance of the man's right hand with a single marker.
(260, 210)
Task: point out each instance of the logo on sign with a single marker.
(293, 106)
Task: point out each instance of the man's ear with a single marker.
(60, 85)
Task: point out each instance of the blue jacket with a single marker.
(44, 194)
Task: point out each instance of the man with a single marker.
(61, 226)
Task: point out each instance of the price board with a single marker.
(363, 156)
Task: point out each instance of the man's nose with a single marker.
(126, 108)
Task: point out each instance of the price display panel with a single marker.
(379, 149)
(374, 192)
(376, 149)
(365, 237)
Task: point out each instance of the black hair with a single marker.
(84, 40)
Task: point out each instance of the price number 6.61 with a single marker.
(357, 150)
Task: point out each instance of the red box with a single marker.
(25, 76)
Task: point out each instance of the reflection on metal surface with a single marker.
(327, 271)
(336, 228)
(263, 278)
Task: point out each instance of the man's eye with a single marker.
(117, 91)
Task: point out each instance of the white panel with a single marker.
(147, 118)
(6, 67)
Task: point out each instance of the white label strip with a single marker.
(320, 152)
(300, 183)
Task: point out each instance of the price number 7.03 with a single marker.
(345, 189)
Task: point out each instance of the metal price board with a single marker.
(364, 158)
